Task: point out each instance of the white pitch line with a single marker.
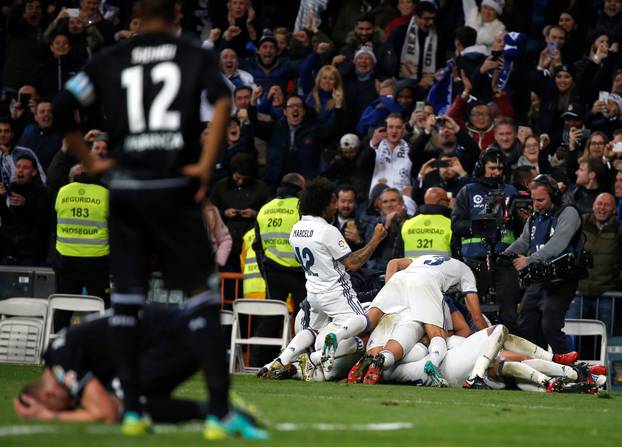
(29, 430)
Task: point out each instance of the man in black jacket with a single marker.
(25, 213)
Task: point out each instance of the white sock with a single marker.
(352, 327)
(490, 348)
(437, 350)
(551, 368)
(415, 354)
(297, 346)
(389, 358)
(519, 345)
(525, 372)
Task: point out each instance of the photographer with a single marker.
(553, 231)
(480, 218)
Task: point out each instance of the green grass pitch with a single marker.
(331, 414)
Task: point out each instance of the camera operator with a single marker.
(552, 231)
(481, 219)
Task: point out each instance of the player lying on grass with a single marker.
(414, 289)
(79, 382)
(482, 360)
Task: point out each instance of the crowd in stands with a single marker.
(386, 98)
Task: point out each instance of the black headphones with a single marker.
(551, 186)
(490, 154)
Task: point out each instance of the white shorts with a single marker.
(381, 335)
(413, 293)
(332, 307)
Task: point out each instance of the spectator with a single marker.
(551, 55)
(575, 38)
(91, 16)
(610, 19)
(238, 199)
(366, 34)
(591, 181)
(605, 115)
(474, 200)
(351, 11)
(359, 85)
(594, 71)
(388, 156)
(240, 27)
(239, 139)
(84, 40)
(406, 92)
(132, 29)
(294, 141)
(24, 33)
(9, 154)
(218, 233)
(351, 227)
(25, 213)
(23, 109)
(58, 68)
(555, 92)
(451, 140)
(603, 238)
(480, 117)
(533, 156)
(429, 232)
(229, 66)
(420, 47)
(345, 168)
(506, 140)
(448, 175)
(41, 136)
(406, 9)
(470, 55)
(485, 21)
(392, 215)
(377, 111)
(324, 93)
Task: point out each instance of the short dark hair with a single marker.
(243, 164)
(422, 7)
(505, 121)
(242, 87)
(466, 35)
(366, 18)
(158, 9)
(346, 188)
(395, 115)
(521, 174)
(28, 157)
(395, 190)
(316, 196)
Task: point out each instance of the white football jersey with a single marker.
(319, 247)
(450, 274)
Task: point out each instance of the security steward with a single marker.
(253, 284)
(554, 230)
(276, 257)
(81, 260)
(472, 202)
(429, 232)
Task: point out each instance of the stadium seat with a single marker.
(578, 327)
(253, 307)
(70, 303)
(22, 322)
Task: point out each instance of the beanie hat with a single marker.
(497, 5)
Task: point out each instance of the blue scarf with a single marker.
(441, 92)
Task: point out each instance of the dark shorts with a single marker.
(166, 223)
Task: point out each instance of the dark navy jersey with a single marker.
(149, 88)
(84, 352)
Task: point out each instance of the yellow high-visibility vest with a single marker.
(276, 219)
(253, 284)
(427, 234)
(82, 220)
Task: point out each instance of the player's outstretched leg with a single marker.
(489, 350)
(520, 345)
(437, 378)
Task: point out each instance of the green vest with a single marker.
(253, 284)
(427, 234)
(82, 220)
(276, 219)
